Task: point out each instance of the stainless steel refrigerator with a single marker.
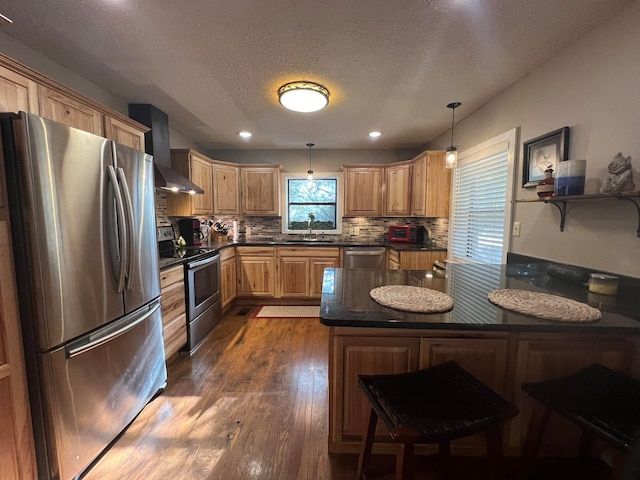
(83, 228)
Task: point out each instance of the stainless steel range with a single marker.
(202, 285)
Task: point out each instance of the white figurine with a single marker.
(619, 177)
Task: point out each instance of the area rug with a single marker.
(287, 311)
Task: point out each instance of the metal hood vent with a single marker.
(168, 179)
(156, 143)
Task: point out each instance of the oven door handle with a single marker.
(203, 262)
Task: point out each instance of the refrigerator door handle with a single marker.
(96, 341)
(130, 237)
(121, 221)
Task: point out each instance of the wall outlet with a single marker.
(516, 229)
(354, 231)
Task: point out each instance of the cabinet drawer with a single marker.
(171, 276)
(316, 252)
(227, 253)
(394, 256)
(175, 335)
(173, 302)
(255, 251)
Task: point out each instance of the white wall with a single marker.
(593, 86)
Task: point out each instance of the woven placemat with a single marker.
(544, 305)
(412, 299)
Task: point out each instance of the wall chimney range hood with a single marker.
(156, 143)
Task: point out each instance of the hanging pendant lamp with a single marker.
(451, 157)
(310, 172)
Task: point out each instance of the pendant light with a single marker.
(310, 172)
(451, 158)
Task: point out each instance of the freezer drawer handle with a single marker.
(73, 352)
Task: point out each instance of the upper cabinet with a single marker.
(23, 89)
(397, 197)
(362, 191)
(123, 133)
(260, 190)
(17, 93)
(226, 189)
(197, 168)
(431, 186)
(61, 108)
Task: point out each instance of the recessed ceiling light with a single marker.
(374, 134)
(245, 134)
(303, 96)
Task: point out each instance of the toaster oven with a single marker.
(406, 233)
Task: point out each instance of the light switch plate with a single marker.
(516, 229)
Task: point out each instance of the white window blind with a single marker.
(478, 208)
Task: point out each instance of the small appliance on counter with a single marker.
(190, 231)
(407, 233)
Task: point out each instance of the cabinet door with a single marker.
(228, 276)
(256, 276)
(260, 190)
(226, 190)
(16, 441)
(420, 260)
(438, 186)
(17, 93)
(174, 318)
(419, 186)
(293, 277)
(363, 191)
(369, 356)
(61, 108)
(123, 133)
(317, 266)
(398, 191)
(541, 358)
(201, 175)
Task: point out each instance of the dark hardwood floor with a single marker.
(251, 403)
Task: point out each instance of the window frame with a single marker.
(510, 141)
(339, 201)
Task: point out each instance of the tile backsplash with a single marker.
(370, 229)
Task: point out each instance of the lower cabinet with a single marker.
(174, 314)
(502, 360)
(228, 276)
(414, 260)
(256, 267)
(300, 270)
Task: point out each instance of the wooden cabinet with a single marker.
(431, 186)
(62, 108)
(352, 356)
(226, 189)
(260, 190)
(197, 168)
(174, 316)
(300, 270)
(414, 260)
(228, 275)
(397, 197)
(542, 358)
(123, 133)
(256, 267)
(362, 191)
(502, 360)
(17, 93)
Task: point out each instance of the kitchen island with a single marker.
(503, 349)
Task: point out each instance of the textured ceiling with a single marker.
(214, 66)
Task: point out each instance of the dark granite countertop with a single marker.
(166, 263)
(346, 301)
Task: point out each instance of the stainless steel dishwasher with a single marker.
(364, 257)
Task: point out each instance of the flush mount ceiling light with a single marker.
(245, 134)
(374, 134)
(303, 96)
(451, 158)
(310, 172)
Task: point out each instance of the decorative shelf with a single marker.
(561, 203)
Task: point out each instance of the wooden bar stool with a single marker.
(434, 405)
(603, 402)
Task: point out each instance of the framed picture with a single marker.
(543, 152)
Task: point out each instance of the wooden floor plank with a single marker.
(251, 403)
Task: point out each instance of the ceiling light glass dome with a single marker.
(303, 96)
